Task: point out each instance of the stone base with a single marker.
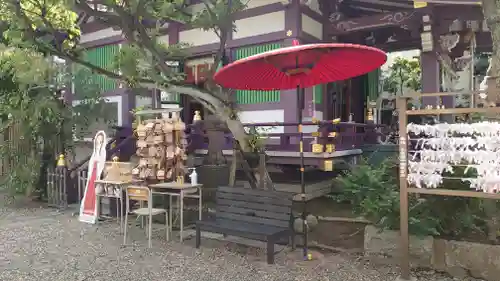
(460, 259)
(212, 176)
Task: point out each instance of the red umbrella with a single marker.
(298, 67)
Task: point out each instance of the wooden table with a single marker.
(117, 193)
(182, 190)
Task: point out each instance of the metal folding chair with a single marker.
(143, 195)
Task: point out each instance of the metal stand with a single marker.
(300, 108)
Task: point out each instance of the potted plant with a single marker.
(256, 140)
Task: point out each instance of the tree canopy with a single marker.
(51, 27)
(403, 74)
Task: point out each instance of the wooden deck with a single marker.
(312, 190)
(341, 159)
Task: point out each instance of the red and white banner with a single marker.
(88, 207)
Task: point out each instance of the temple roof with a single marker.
(357, 8)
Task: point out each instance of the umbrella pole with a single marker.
(300, 108)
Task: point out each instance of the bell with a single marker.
(116, 159)
(60, 161)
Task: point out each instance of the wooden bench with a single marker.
(254, 214)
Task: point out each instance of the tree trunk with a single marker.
(215, 132)
(223, 111)
(491, 11)
(238, 131)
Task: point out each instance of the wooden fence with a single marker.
(10, 141)
(64, 188)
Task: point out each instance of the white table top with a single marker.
(174, 185)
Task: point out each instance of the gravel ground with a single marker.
(42, 244)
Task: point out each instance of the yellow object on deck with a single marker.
(330, 148)
(317, 148)
(328, 166)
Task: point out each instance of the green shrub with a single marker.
(373, 192)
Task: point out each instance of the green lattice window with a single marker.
(318, 94)
(372, 84)
(247, 96)
(102, 57)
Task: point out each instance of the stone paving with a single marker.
(42, 244)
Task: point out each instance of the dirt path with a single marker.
(41, 244)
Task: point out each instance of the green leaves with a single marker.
(40, 21)
(403, 75)
(373, 193)
(30, 106)
(215, 14)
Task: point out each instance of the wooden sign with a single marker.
(202, 72)
(419, 4)
(190, 77)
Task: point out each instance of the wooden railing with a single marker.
(348, 136)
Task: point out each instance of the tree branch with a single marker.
(32, 36)
(225, 27)
(196, 93)
(138, 35)
(106, 18)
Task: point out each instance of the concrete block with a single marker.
(387, 243)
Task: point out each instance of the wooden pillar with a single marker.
(128, 103)
(357, 100)
(430, 76)
(429, 62)
(293, 26)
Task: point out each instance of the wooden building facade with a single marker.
(441, 29)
